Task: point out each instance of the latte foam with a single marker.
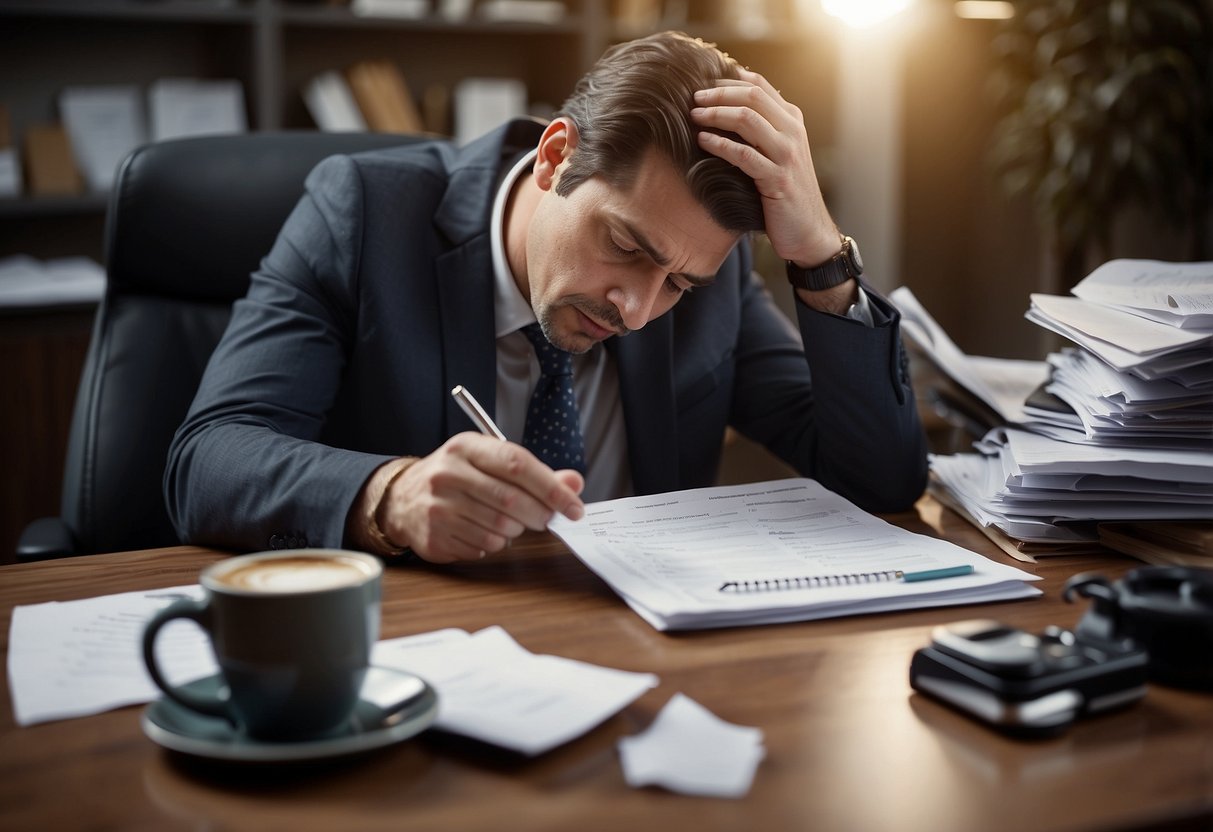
(295, 574)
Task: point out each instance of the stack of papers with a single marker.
(1039, 489)
(1123, 428)
(62, 281)
(786, 550)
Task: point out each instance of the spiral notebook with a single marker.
(786, 550)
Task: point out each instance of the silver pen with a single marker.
(475, 412)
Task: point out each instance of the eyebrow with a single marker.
(660, 258)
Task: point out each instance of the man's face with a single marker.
(604, 261)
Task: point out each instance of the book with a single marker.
(673, 557)
(383, 97)
(330, 101)
(104, 124)
(10, 164)
(50, 168)
(179, 107)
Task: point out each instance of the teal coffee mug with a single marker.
(292, 633)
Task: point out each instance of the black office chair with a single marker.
(188, 221)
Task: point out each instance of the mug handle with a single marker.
(200, 613)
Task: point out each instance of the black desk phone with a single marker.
(1024, 683)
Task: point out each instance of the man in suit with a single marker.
(324, 417)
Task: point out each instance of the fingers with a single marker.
(759, 115)
(473, 495)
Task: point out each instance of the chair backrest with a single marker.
(188, 222)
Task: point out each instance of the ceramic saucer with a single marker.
(394, 706)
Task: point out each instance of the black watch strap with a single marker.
(840, 268)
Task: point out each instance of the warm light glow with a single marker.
(984, 9)
(864, 13)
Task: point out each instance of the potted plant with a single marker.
(1108, 103)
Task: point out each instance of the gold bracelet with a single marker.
(374, 528)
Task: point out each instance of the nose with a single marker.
(635, 299)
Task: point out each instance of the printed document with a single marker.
(76, 658)
(669, 555)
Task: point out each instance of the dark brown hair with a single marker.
(638, 96)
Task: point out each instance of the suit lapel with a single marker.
(469, 343)
(646, 386)
(465, 271)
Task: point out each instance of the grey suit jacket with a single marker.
(377, 299)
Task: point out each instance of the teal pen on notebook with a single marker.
(851, 579)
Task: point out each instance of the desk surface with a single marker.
(849, 745)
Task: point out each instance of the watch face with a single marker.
(856, 262)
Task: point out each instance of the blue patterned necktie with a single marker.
(553, 430)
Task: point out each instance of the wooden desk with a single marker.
(849, 746)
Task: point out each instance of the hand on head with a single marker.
(472, 496)
(776, 156)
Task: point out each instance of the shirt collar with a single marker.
(511, 308)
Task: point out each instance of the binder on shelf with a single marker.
(50, 168)
(482, 104)
(331, 103)
(436, 109)
(522, 11)
(181, 107)
(383, 97)
(402, 9)
(104, 124)
(10, 165)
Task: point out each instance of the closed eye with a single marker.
(618, 249)
(674, 287)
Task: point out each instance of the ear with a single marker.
(557, 143)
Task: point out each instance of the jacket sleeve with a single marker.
(245, 469)
(848, 420)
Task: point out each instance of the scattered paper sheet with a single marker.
(76, 658)
(689, 749)
(1002, 383)
(493, 689)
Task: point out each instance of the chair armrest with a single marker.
(44, 539)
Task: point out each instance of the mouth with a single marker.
(596, 330)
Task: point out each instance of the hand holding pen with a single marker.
(474, 494)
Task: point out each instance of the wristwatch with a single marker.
(838, 269)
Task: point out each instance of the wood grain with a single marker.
(849, 746)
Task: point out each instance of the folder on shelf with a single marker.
(194, 107)
(383, 97)
(482, 104)
(104, 123)
(50, 169)
(331, 103)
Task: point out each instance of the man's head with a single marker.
(624, 213)
(638, 96)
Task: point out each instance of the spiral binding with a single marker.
(812, 581)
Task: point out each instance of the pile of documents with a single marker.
(785, 550)
(1123, 428)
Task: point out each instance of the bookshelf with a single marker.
(273, 47)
